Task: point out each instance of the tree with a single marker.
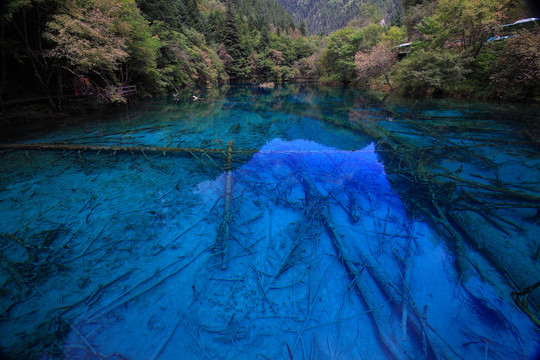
(185, 58)
(368, 14)
(225, 58)
(377, 61)
(303, 29)
(23, 23)
(338, 56)
(235, 45)
(372, 34)
(143, 49)
(465, 24)
(432, 71)
(395, 35)
(88, 36)
(517, 71)
(170, 12)
(216, 21)
(264, 39)
(109, 38)
(416, 13)
(193, 15)
(302, 48)
(230, 31)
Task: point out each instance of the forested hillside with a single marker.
(56, 48)
(326, 16)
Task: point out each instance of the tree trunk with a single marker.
(388, 82)
(59, 90)
(3, 76)
(43, 79)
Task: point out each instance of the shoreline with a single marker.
(35, 116)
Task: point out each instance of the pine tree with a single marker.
(236, 48)
(230, 31)
(163, 10)
(265, 39)
(193, 14)
(303, 29)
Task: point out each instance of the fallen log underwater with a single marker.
(223, 232)
(83, 147)
(153, 149)
(368, 276)
(441, 196)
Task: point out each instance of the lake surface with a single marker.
(303, 222)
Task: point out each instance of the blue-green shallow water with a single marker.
(352, 231)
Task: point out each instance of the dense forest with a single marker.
(54, 48)
(326, 16)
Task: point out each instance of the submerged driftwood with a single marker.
(519, 269)
(461, 208)
(364, 272)
(82, 147)
(223, 231)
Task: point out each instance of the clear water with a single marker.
(349, 230)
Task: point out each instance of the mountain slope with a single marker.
(268, 11)
(327, 16)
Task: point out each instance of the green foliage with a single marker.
(372, 34)
(215, 21)
(368, 14)
(141, 68)
(451, 42)
(169, 12)
(103, 37)
(265, 11)
(89, 36)
(185, 58)
(432, 72)
(417, 12)
(467, 24)
(327, 16)
(161, 45)
(303, 28)
(264, 39)
(477, 84)
(517, 70)
(235, 44)
(395, 35)
(338, 57)
(302, 48)
(178, 14)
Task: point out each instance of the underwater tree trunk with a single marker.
(223, 231)
(3, 61)
(442, 202)
(75, 147)
(360, 281)
(59, 90)
(520, 269)
(40, 65)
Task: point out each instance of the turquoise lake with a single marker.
(299, 222)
